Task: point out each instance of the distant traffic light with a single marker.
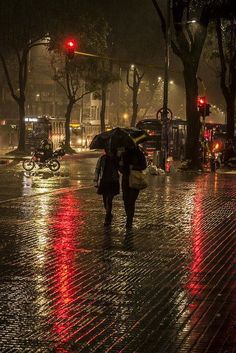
(203, 106)
(70, 47)
(201, 101)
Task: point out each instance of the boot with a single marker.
(129, 223)
(108, 219)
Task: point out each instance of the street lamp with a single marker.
(186, 22)
(125, 117)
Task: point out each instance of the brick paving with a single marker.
(69, 285)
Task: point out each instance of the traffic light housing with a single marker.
(208, 112)
(70, 47)
(203, 106)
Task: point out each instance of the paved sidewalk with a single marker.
(69, 285)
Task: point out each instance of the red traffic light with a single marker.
(201, 101)
(70, 47)
(70, 44)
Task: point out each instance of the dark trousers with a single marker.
(129, 196)
(107, 202)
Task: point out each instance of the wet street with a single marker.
(70, 285)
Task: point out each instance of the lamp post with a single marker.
(164, 140)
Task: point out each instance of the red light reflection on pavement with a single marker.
(66, 222)
(194, 285)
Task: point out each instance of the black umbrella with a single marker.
(138, 135)
(114, 138)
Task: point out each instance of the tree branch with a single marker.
(176, 49)
(74, 89)
(25, 67)
(127, 80)
(160, 14)
(190, 35)
(36, 45)
(183, 42)
(82, 95)
(68, 84)
(60, 84)
(222, 57)
(8, 78)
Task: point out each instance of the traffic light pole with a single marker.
(204, 139)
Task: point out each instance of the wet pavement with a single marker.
(70, 285)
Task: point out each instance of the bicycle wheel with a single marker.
(54, 165)
(28, 165)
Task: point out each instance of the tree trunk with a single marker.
(229, 95)
(228, 78)
(135, 107)
(230, 109)
(193, 118)
(103, 109)
(21, 107)
(67, 124)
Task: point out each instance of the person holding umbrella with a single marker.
(131, 159)
(107, 174)
(107, 180)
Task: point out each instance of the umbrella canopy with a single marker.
(137, 135)
(114, 138)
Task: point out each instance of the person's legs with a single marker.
(130, 196)
(104, 196)
(107, 201)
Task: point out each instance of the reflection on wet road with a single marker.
(15, 182)
(69, 285)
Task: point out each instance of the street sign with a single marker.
(159, 114)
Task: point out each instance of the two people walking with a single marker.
(107, 180)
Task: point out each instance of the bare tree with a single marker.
(19, 34)
(101, 76)
(154, 91)
(134, 86)
(70, 75)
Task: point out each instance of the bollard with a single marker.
(168, 164)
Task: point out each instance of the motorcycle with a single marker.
(52, 162)
(59, 153)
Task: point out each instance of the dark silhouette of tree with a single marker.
(155, 90)
(92, 34)
(134, 86)
(187, 44)
(226, 37)
(220, 55)
(71, 76)
(20, 32)
(101, 76)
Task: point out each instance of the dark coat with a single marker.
(107, 175)
(131, 159)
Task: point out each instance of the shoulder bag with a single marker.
(137, 179)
